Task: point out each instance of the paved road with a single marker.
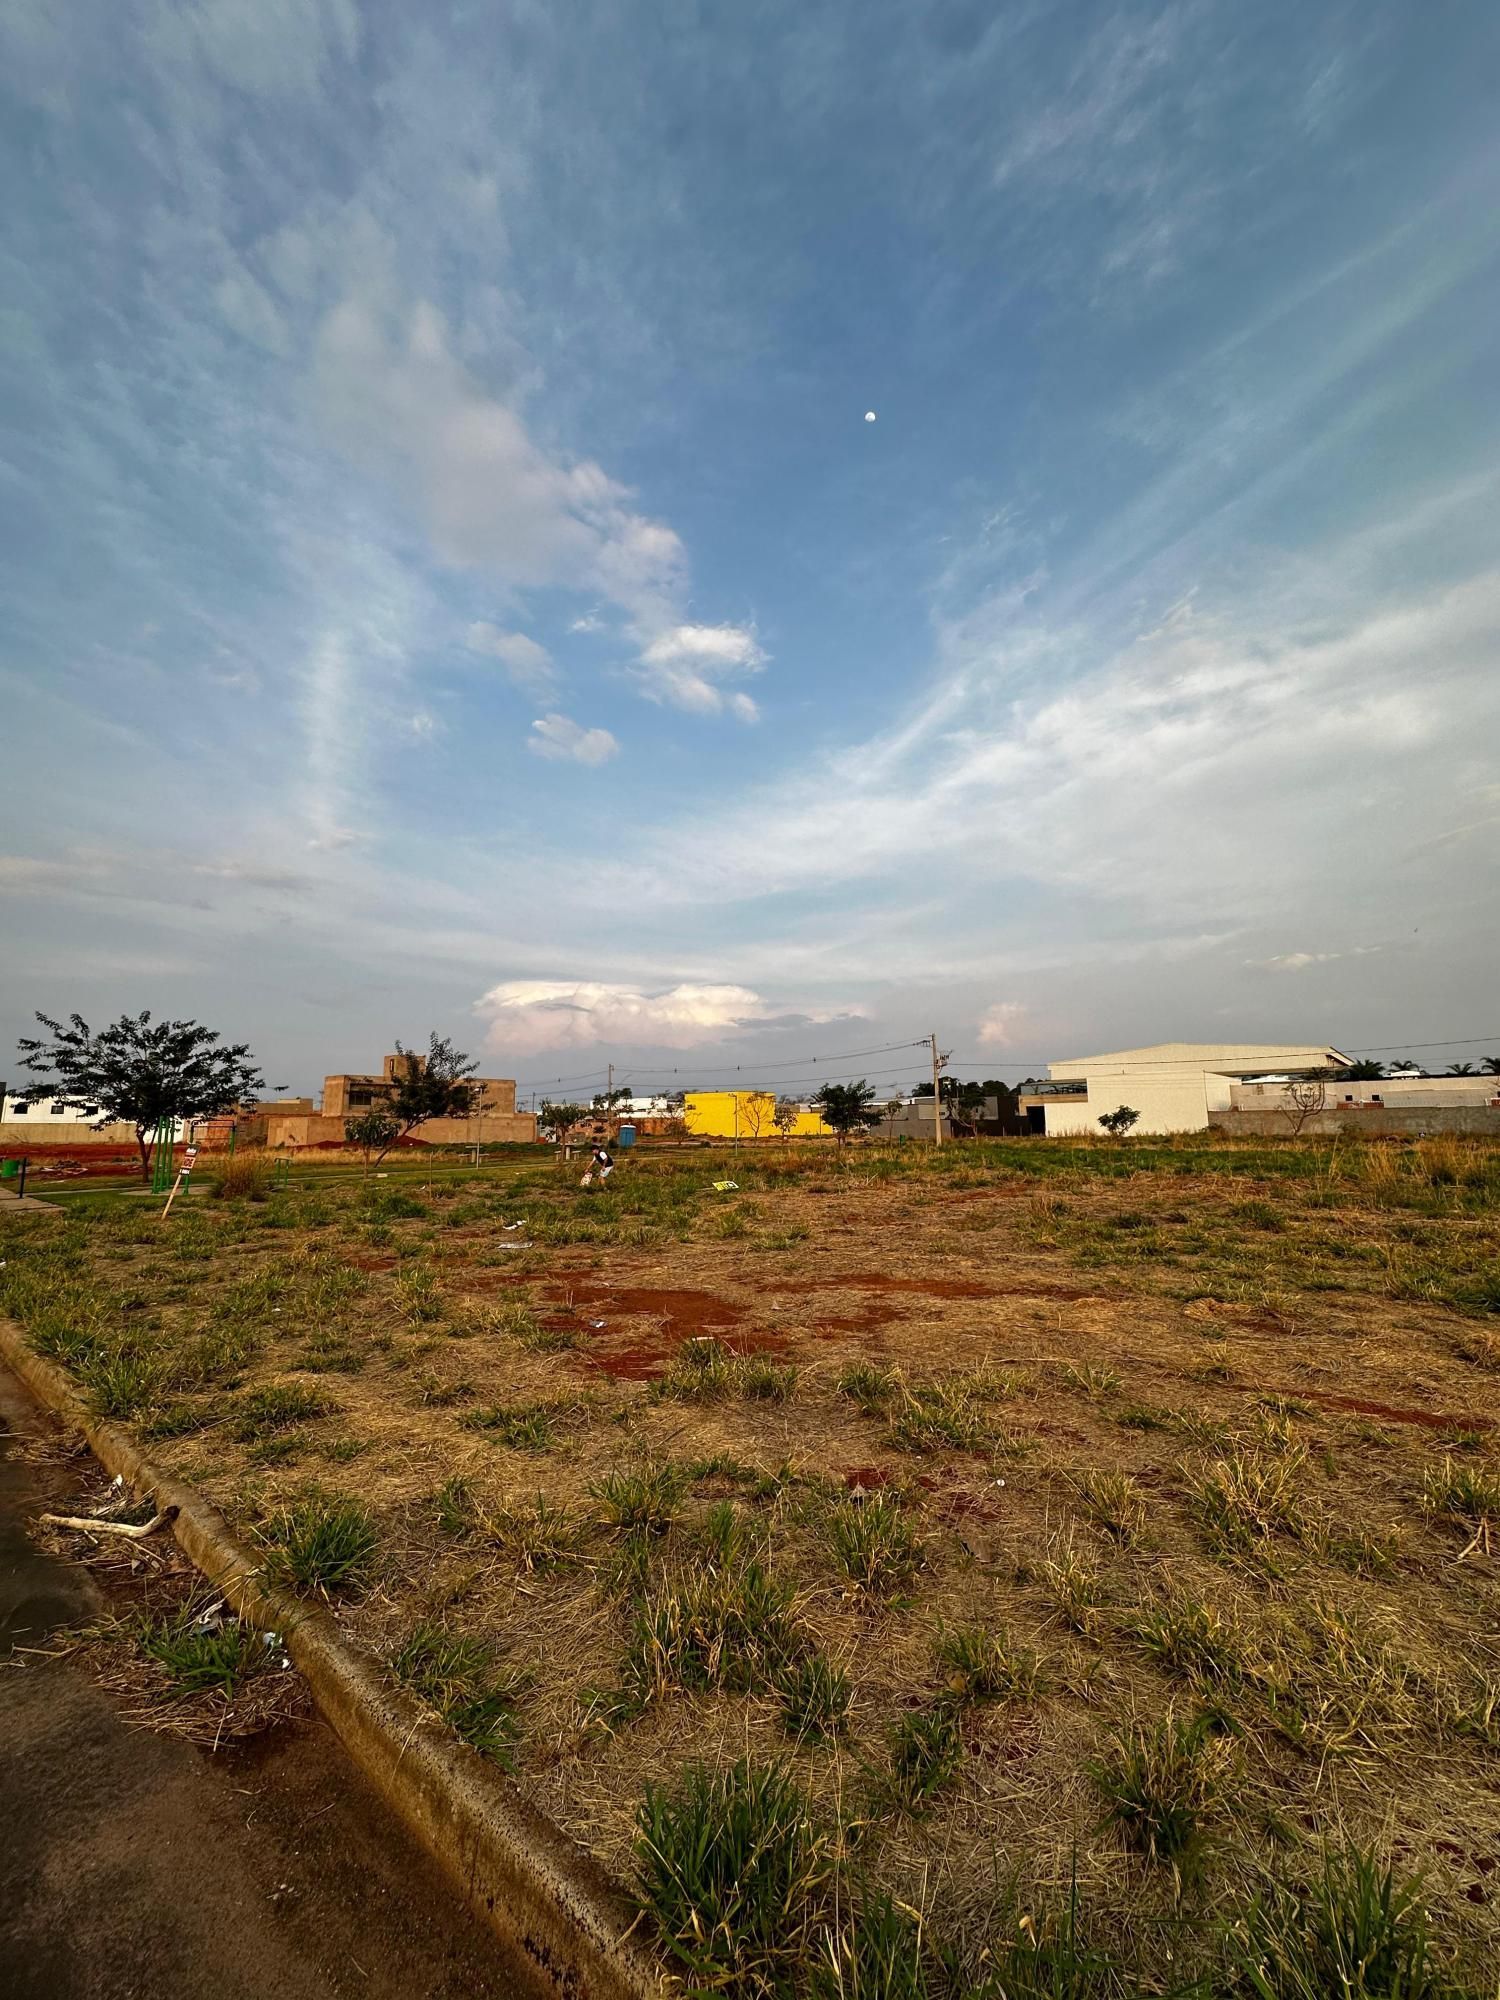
(135, 1867)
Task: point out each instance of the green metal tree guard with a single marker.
(161, 1158)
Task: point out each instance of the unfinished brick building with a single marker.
(493, 1121)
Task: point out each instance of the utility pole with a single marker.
(939, 1064)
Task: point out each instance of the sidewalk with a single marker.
(133, 1865)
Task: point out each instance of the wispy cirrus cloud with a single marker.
(529, 665)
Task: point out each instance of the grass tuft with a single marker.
(279, 1407)
(926, 1751)
(728, 1865)
(454, 1672)
(320, 1544)
(1356, 1931)
(874, 1543)
(1158, 1782)
(200, 1661)
(980, 1664)
(645, 1500)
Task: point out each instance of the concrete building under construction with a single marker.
(494, 1120)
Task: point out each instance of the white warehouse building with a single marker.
(1173, 1085)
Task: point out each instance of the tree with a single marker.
(1461, 1069)
(141, 1075)
(1119, 1121)
(847, 1107)
(966, 1106)
(1304, 1095)
(785, 1116)
(891, 1112)
(605, 1101)
(432, 1086)
(561, 1118)
(1491, 1065)
(755, 1113)
(374, 1131)
(1366, 1071)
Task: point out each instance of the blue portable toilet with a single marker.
(627, 1136)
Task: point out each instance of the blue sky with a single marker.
(449, 579)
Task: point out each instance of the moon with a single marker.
(869, 416)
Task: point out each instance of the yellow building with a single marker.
(744, 1114)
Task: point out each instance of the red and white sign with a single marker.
(188, 1158)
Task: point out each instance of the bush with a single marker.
(242, 1177)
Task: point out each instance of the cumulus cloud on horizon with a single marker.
(527, 1016)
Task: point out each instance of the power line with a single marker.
(736, 1069)
(996, 1066)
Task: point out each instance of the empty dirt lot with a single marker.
(1085, 1531)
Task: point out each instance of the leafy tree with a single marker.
(1118, 1122)
(847, 1107)
(561, 1118)
(432, 1086)
(139, 1074)
(891, 1111)
(1461, 1069)
(374, 1132)
(785, 1116)
(606, 1100)
(1365, 1071)
(1491, 1065)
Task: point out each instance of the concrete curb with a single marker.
(546, 1898)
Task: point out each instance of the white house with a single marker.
(22, 1108)
(1173, 1085)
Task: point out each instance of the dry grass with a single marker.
(1079, 1504)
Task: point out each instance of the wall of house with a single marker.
(497, 1094)
(1169, 1099)
(20, 1135)
(746, 1114)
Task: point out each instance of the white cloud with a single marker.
(558, 736)
(1193, 771)
(528, 665)
(998, 1024)
(1299, 961)
(393, 392)
(423, 725)
(684, 665)
(528, 1015)
(589, 622)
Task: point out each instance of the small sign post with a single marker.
(188, 1158)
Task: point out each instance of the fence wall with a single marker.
(1373, 1121)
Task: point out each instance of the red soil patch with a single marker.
(688, 1315)
(372, 1263)
(1429, 1419)
(954, 1503)
(865, 1478)
(686, 1312)
(877, 1281)
(942, 1288)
